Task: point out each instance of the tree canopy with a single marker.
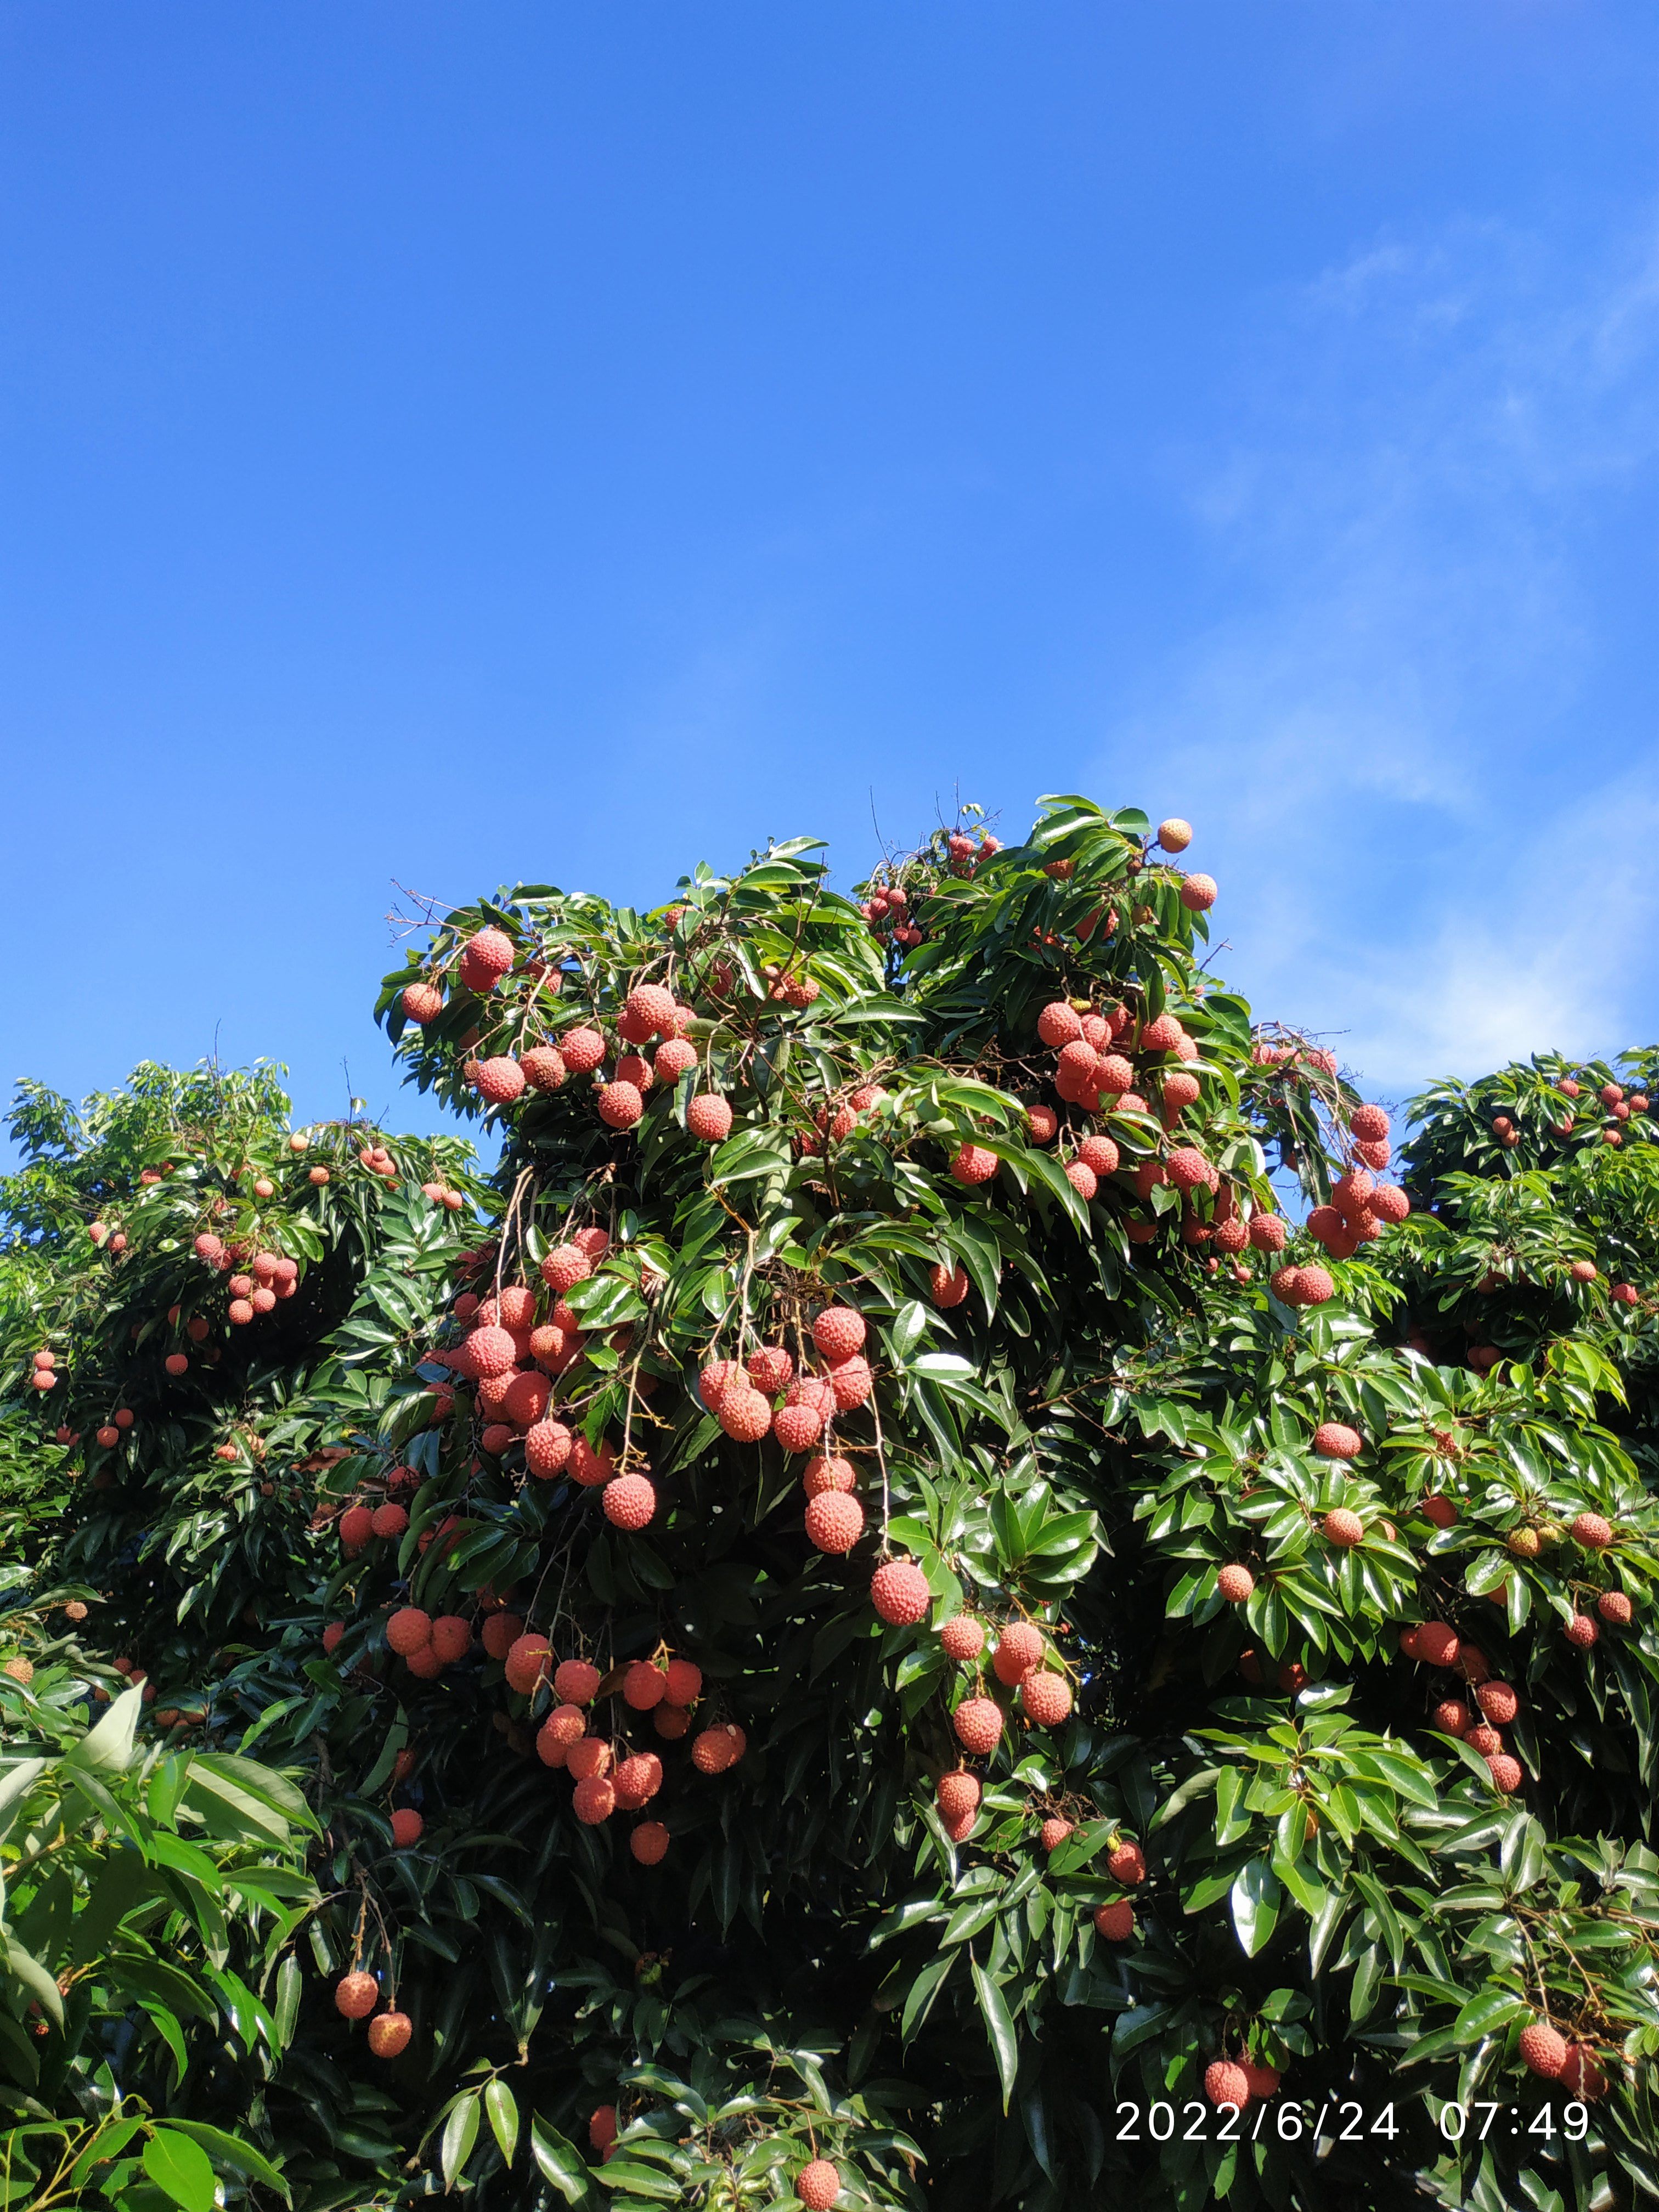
(939, 1589)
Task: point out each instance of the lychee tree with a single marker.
(890, 1632)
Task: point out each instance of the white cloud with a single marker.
(1431, 845)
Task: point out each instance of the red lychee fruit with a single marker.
(1267, 1232)
(743, 1413)
(1188, 1167)
(834, 1521)
(717, 1748)
(490, 1351)
(974, 1164)
(850, 1382)
(1126, 1863)
(409, 1629)
(899, 1592)
(1019, 1649)
(1483, 1738)
(637, 1780)
(648, 1843)
(390, 1520)
(1543, 2050)
(827, 1474)
(1614, 1608)
(1225, 2083)
(593, 1799)
(621, 1105)
(839, 1332)
(818, 2185)
(488, 955)
(1499, 1702)
(175, 1363)
(644, 1686)
(1335, 1440)
(1116, 1922)
(956, 1793)
(1235, 1584)
(708, 1117)
(1113, 1075)
(629, 1501)
(529, 1660)
(1343, 1528)
(1083, 1179)
(1582, 2075)
(1054, 1833)
(588, 1757)
(602, 2127)
(356, 1995)
(684, 1679)
(581, 1050)
(1437, 1644)
(1442, 1512)
(357, 1523)
(1059, 1024)
(1046, 1697)
(1505, 1770)
(1590, 1530)
(452, 1638)
(547, 1448)
(389, 2033)
(1043, 1122)
(1451, 1716)
(672, 1060)
(1263, 2080)
(575, 1682)
(963, 1638)
(422, 1004)
(1175, 835)
(407, 1827)
(1582, 1632)
(592, 1470)
(978, 1724)
(542, 1068)
(1371, 1123)
(498, 1081)
(949, 1285)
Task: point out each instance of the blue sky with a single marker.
(445, 445)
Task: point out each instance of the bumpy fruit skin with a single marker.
(1442, 1512)
(498, 1081)
(637, 1780)
(1370, 1123)
(708, 1117)
(834, 1521)
(649, 1843)
(1175, 835)
(408, 1630)
(389, 1520)
(1343, 1528)
(602, 2127)
(974, 1164)
(644, 1686)
(827, 1474)
(956, 1793)
(1335, 1440)
(1235, 1584)
(1044, 1122)
(356, 1995)
(948, 1285)
(1437, 1643)
(744, 1414)
(1019, 1649)
(839, 1332)
(1116, 1922)
(1499, 1702)
(717, 1748)
(1505, 1772)
(630, 1502)
(799, 1427)
(850, 1382)
(621, 1105)
(1127, 1863)
(1543, 2050)
(685, 1680)
(1263, 2080)
(1054, 1833)
(1614, 1608)
(589, 1756)
(818, 2185)
(1083, 1180)
(899, 1592)
(490, 1351)
(407, 1827)
(577, 1681)
(1267, 1232)
(963, 1638)
(1047, 1697)
(1582, 1632)
(528, 1660)
(1590, 1530)
(1225, 2083)
(389, 2033)
(547, 1448)
(1451, 1716)
(978, 1724)
(593, 1799)
(1059, 1024)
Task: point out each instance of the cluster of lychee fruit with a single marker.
(270, 1278)
(763, 1394)
(1020, 1662)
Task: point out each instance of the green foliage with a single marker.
(1325, 1878)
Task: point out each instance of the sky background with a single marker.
(446, 445)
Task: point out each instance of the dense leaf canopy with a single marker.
(866, 1613)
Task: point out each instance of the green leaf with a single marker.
(559, 2164)
(999, 2025)
(181, 2168)
(1256, 1897)
(460, 2133)
(503, 2117)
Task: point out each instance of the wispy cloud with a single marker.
(1430, 807)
